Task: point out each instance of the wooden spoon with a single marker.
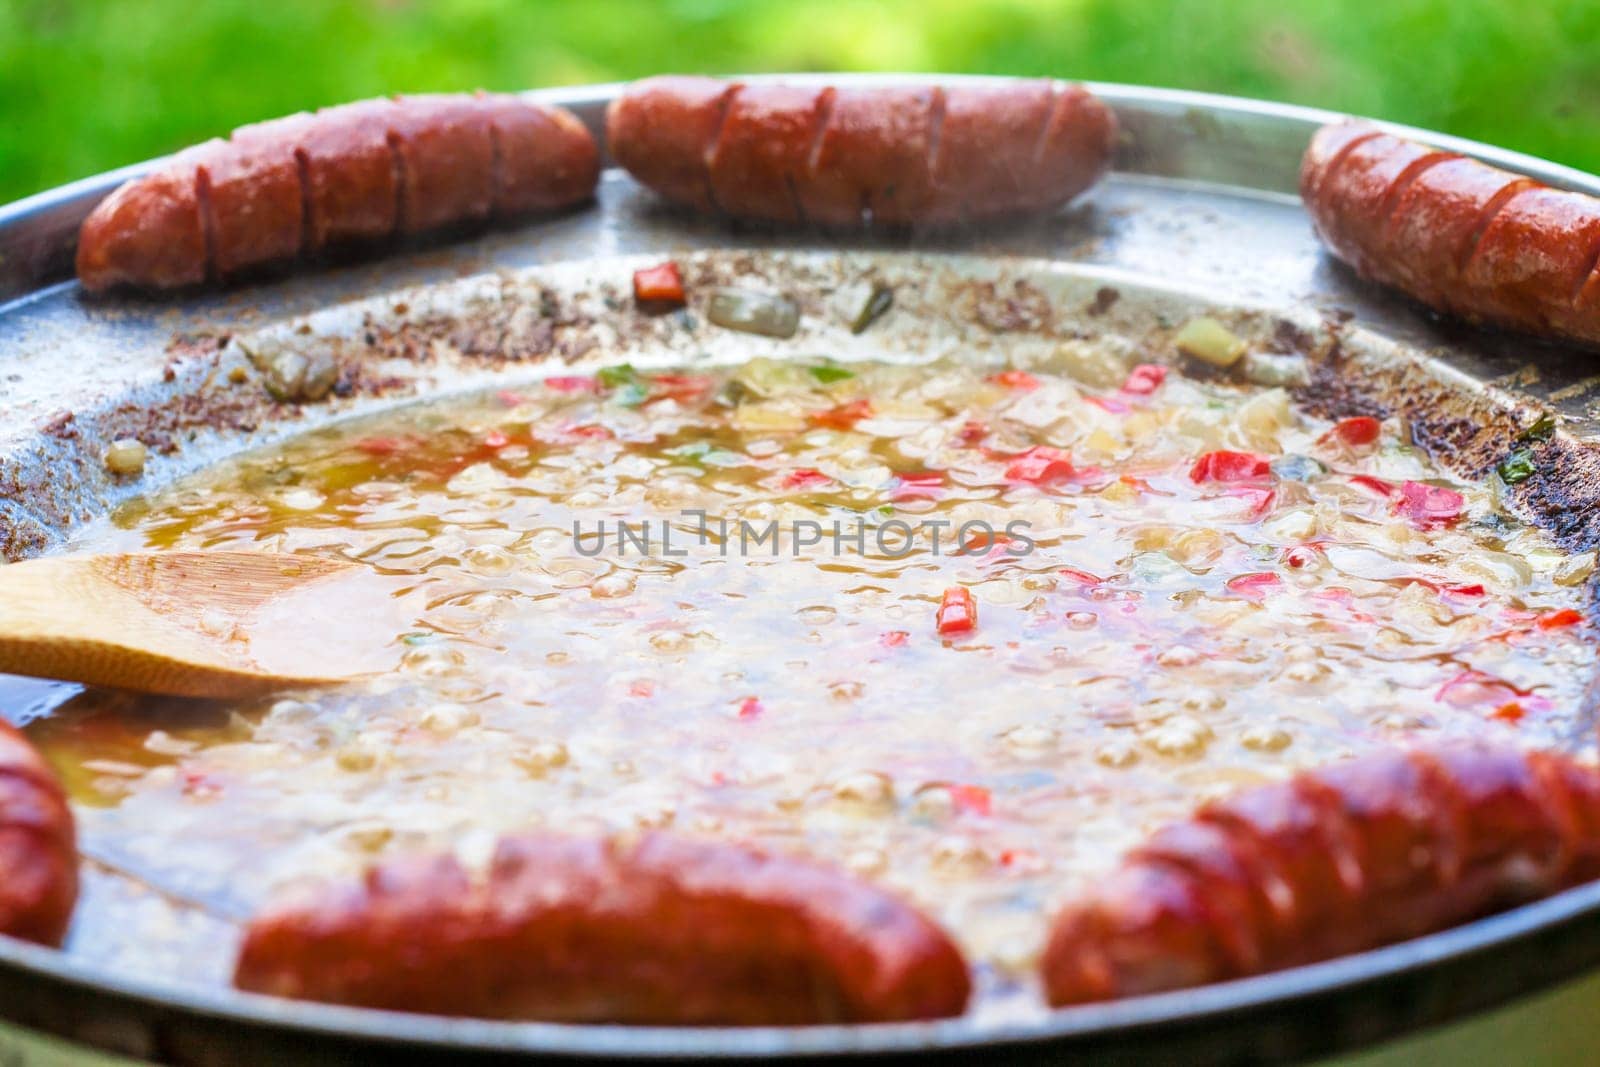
(195, 624)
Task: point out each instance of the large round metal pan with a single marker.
(1201, 208)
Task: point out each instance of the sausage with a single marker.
(38, 845)
(844, 157)
(294, 187)
(1336, 860)
(1461, 236)
(662, 930)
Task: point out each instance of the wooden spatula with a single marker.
(194, 624)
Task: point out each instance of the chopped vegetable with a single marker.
(565, 384)
(1294, 467)
(624, 385)
(1040, 465)
(1258, 501)
(1108, 404)
(1080, 577)
(1253, 586)
(806, 478)
(1373, 485)
(1301, 556)
(827, 374)
(750, 708)
(926, 485)
(972, 432)
(1355, 432)
(1276, 369)
(1557, 620)
(958, 612)
(1145, 379)
(615, 377)
(1517, 467)
(1428, 506)
(1015, 379)
(747, 311)
(684, 388)
(879, 299)
(126, 456)
(1543, 427)
(842, 417)
(1209, 341)
(661, 286)
(970, 799)
(1226, 466)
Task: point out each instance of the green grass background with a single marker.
(86, 85)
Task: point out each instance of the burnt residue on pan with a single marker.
(223, 390)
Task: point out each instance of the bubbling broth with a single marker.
(1181, 587)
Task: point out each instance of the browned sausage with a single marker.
(38, 846)
(1461, 236)
(293, 187)
(661, 931)
(1336, 860)
(845, 156)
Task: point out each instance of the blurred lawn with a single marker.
(86, 85)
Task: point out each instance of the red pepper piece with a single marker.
(1226, 466)
(1258, 501)
(1429, 506)
(1254, 586)
(918, 485)
(805, 478)
(1373, 485)
(660, 285)
(972, 432)
(1145, 379)
(1511, 711)
(842, 417)
(572, 383)
(1040, 465)
(1300, 556)
(958, 612)
(1080, 577)
(684, 388)
(750, 708)
(1356, 432)
(1108, 404)
(970, 799)
(1015, 379)
(1556, 620)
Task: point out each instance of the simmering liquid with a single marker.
(1181, 588)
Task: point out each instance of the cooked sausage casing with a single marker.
(38, 846)
(1461, 236)
(293, 187)
(1336, 860)
(839, 157)
(661, 931)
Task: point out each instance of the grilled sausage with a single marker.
(363, 172)
(1461, 236)
(1337, 860)
(38, 846)
(662, 931)
(839, 157)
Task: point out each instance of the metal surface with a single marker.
(1201, 210)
